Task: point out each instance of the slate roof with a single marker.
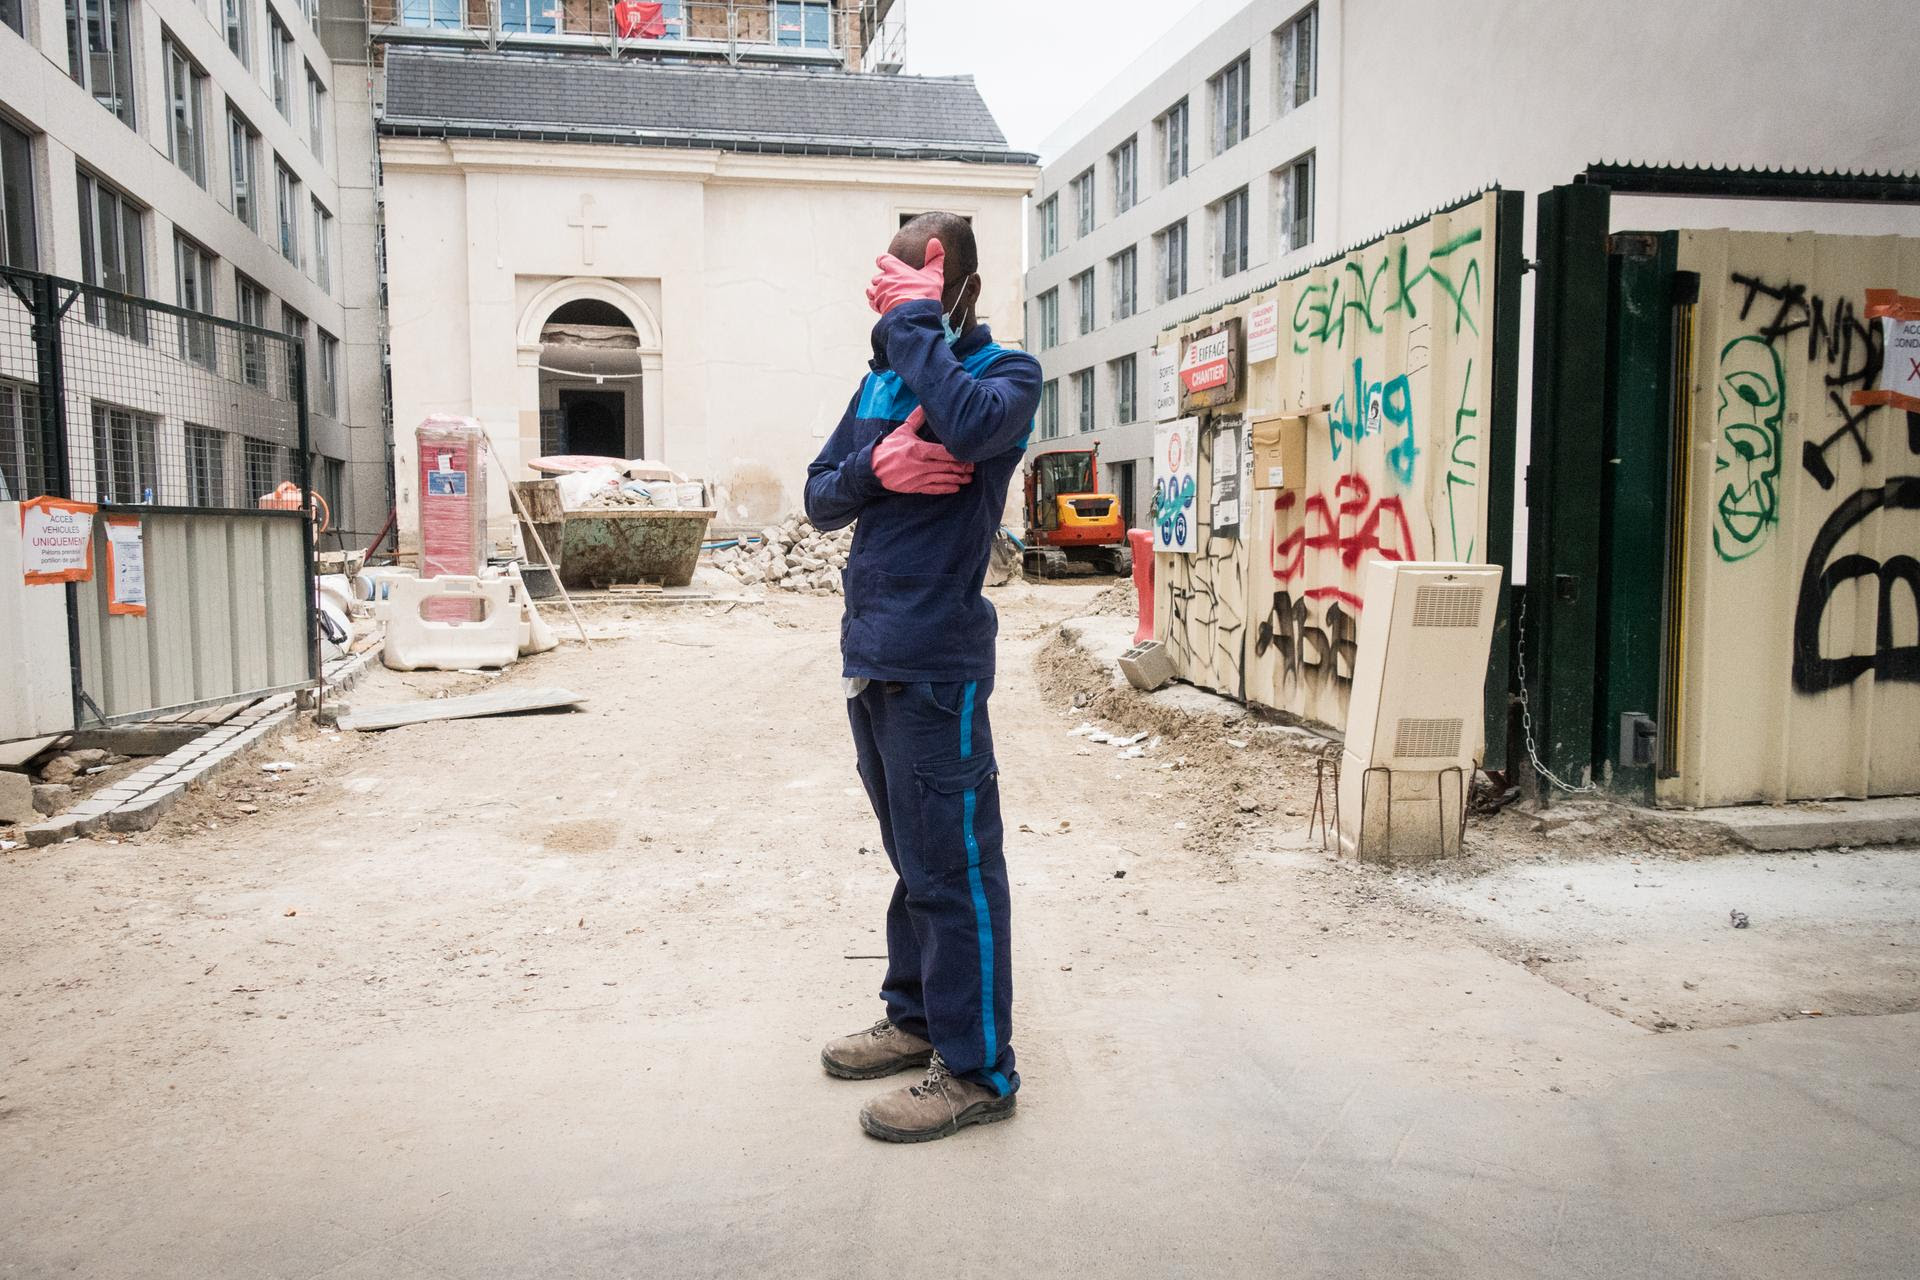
(582, 98)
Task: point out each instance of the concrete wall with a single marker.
(745, 276)
(1396, 339)
(1801, 626)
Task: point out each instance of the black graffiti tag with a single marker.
(1307, 650)
(1836, 336)
(1814, 673)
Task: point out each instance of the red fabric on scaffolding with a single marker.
(640, 21)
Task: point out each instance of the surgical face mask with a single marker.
(947, 320)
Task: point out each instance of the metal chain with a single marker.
(1526, 714)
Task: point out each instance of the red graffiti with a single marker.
(1352, 526)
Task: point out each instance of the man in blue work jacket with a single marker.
(922, 461)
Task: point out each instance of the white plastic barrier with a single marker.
(415, 643)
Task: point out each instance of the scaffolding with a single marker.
(851, 34)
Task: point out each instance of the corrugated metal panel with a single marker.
(1397, 337)
(36, 681)
(1801, 635)
(225, 615)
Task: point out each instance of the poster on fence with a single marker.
(1899, 319)
(1166, 381)
(1173, 485)
(1223, 485)
(56, 540)
(126, 566)
(1263, 331)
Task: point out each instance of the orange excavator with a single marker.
(1068, 521)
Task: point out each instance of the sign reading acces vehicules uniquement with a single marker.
(56, 540)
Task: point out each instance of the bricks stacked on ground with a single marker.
(793, 556)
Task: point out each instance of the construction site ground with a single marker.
(543, 996)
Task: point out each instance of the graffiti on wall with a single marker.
(1865, 541)
(1388, 364)
(1204, 595)
(1746, 453)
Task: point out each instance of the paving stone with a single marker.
(53, 830)
(147, 810)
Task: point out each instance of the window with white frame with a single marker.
(803, 24)
(262, 461)
(21, 451)
(1232, 103)
(250, 307)
(1293, 204)
(326, 381)
(1172, 127)
(280, 64)
(1124, 267)
(316, 114)
(1125, 159)
(1050, 410)
(1296, 75)
(19, 238)
(1083, 204)
(1083, 301)
(100, 53)
(1049, 213)
(1230, 233)
(1125, 374)
(529, 17)
(1083, 399)
(1048, 325)
(238, 21)
(186, 112)
(322, 248)
(125, 455)
(1170, 247)
(430, 13)
(113, 255)
(206, 466)
(193, 291)
(287, 191)
(243, 168)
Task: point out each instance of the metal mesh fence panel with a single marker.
(115, 399)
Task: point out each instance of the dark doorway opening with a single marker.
(1123, 489)
(593, 422)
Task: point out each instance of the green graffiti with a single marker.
(1462, 466)
(1746, 450)
(1354, 294)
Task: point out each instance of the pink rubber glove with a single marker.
(898, 282)
(906, 463)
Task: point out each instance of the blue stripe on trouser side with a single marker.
(983, 923)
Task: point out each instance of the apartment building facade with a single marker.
(189, 151)
(1205, 183)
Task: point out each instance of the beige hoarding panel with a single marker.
(1800, 633)
(225, 617)
(36, 680)
(1200, 598)
(1387, 351)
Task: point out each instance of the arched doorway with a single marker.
(591, 376)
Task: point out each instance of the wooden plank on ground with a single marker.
(496, 703)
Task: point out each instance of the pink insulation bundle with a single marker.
(453, 503)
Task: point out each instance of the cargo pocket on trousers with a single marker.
(959, 805)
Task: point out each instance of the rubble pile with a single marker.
(793, 556)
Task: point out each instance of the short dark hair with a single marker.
(955, 234)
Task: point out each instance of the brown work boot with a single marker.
(880, 1050)
(934, 1108)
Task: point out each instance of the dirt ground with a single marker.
(542, 995)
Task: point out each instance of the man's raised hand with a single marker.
(898, 282)
(905, 462)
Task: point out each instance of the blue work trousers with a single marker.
(926, 757)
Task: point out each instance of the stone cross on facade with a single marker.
(587, 223)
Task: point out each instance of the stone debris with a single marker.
(792, 556)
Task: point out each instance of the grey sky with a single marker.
(1038, 61)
